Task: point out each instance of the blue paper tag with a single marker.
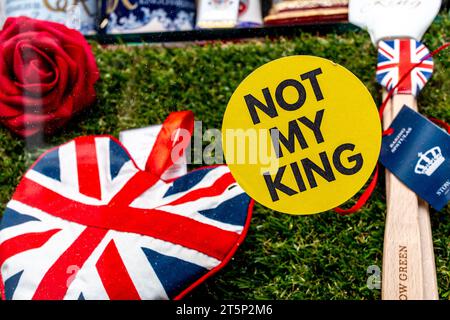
(418, 153)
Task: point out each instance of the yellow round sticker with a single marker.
(301, 135)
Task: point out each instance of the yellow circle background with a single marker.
(350, 116)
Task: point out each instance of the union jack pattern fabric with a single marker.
(396, 58)
(86, 223)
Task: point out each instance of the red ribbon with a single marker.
(161, 157)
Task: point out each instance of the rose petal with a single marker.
(36, 73)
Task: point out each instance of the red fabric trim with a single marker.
(154, 223)
(87, 166)
(114, 275)
(54, 284)
(23, 243)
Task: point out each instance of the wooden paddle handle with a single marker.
(426, 239)
(428, 263)
(402, 273)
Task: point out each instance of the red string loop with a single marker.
(441, 123)
(363, 198)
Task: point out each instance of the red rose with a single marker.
(47, 73)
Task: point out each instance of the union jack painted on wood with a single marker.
(396, 58)
(86, 223)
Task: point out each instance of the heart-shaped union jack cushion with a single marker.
(86, 223)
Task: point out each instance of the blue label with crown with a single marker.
(418, 153)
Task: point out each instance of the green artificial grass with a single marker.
(322, 256)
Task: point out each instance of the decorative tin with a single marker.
(76, 14)
(140, 16)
